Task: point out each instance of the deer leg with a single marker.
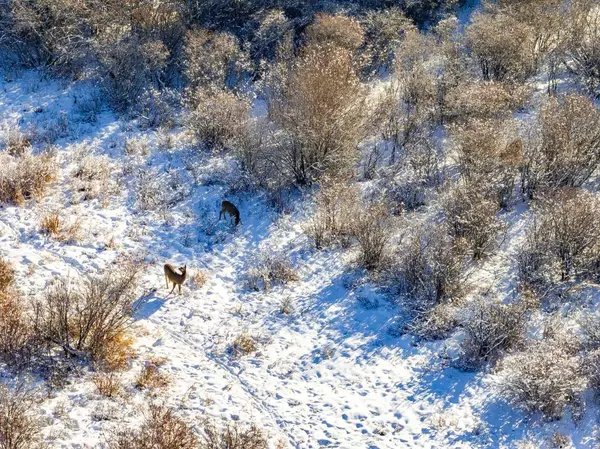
(174, 285)
(179, 289)
(167, 279)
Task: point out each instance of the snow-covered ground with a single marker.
(333, 373)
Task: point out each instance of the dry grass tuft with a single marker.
(200, 277)
(151, 376)
(244, 344)
(53, 225)
(107, 384)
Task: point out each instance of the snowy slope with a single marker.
(331, 374)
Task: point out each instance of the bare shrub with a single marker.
(581, 44)
(25, 177)
(92, 174)
(436, 323)
(566, 150)
(151, 377)
(342, 31)
(490, 157)
(161, 429)
(430, 268)
(471, 215)
(332, 220)
(483, 100)
(217, 117)
(20, 424)
(15, 142)
(563, 240)
(491, 328)
(546, 377)
(320, 104)
(373, 229)
(502, 46)
(233, 436)
(269, 269)
(87, 317)
(384, 30)
(286, 306)
(407, 105)
(136, 146)
(213, 59)
(274, 32)
(18, 343)
(7, 274)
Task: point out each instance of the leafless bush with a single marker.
(161, 429)
(490, 158)
(87, 317)
(566, 150)
(136, 146)
(563, 240)
(200, 277)
(471, 100)
(342, 31)
(20, 424)
(269, 269)
(25, 177)
(157, 108)
(274, 33)
(412, 181)
(233, 436)
(319, 103)
(332, 220)
(373, 229)
(384, 30)
(546, 377)
(502, 46)
(15, 142)
(429, 269)
(213, 59)
(7, 274)
(406, 107)
(491, 328)
(92, 174)
(18, 343)
(217, 117)
(471, 215)
(436, 323)
(581, 44)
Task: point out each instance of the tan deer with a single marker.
(229, 208)
(171, 275)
